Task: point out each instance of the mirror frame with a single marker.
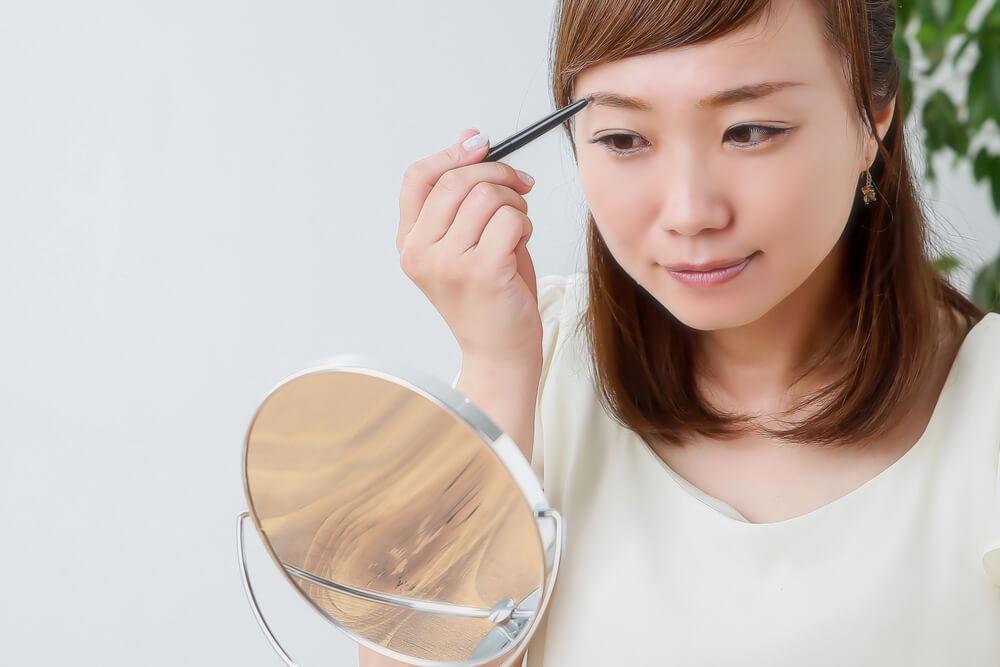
(548, 521)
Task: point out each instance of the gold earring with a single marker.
(868, 191)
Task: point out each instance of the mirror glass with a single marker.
(401, 513)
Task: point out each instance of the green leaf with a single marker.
(981, 164)
(903, 57)
(995, 182)
(957, 15)
(986, 167)
(992, 19)
(904, 12)
(940, 120)
(932, 40)
(933, 11)
(940, 21)
(946, 264)
(984, 80)
(966, 40)
(986, 287)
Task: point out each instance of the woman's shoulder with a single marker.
(555, 289)
(965, 325)
(560, 301)
(990, 326)
(975, 343)
(970, 363)
(558, 403)
(980, 352)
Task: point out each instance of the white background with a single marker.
(198, 199)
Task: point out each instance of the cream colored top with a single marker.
(904, 570)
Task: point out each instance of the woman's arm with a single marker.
(506, 393)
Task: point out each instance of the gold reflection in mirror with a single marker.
(365, 482)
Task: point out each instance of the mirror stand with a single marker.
(509, 618)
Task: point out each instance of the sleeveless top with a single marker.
(903, 570)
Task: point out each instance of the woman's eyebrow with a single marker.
(716, 100)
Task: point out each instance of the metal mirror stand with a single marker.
(507, 614)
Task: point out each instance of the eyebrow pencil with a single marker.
(529, 134)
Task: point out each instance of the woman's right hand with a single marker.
(463, 230)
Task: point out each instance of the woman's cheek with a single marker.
(619, 206)
(799, 212)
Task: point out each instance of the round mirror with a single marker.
(401, 513)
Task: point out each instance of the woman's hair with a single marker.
(644, 358)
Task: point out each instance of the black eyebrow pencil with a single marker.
(529, 134)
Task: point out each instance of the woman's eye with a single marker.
(754, 133)
(608, 139)
(746, 136)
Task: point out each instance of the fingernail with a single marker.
(528, 180)
(474, 142)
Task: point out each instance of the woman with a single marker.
(790, 462)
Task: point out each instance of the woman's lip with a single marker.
(706, 267)
(713, 277)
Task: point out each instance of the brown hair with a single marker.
(643, 358)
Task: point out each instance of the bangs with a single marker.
(637, 27)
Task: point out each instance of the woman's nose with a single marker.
(692, 200)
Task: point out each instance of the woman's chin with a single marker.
(710, 321)
(707, 316)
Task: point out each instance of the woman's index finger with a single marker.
(423, 174)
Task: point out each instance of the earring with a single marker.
(868, 191)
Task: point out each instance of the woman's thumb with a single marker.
(471, 149)
(526, 267)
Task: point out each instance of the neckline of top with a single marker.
(933, 424)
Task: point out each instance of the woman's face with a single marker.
(774, 175)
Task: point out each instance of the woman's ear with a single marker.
(883, 119)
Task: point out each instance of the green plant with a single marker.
(953, 126)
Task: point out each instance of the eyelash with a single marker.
(770, 132)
